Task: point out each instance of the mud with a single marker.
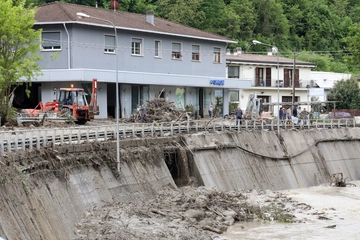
(190, 213)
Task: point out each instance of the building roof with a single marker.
(59, 12)
(265, 59)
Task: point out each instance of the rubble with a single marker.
(159, 110)
(337, 180)
(188, 213)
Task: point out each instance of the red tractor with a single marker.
(71, 103)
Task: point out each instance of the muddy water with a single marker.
(342, 206)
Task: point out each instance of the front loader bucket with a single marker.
(93, 110)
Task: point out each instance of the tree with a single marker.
(187, 12)
(353, 46)
(19, 44)
(346, 93)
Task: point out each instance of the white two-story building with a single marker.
(270, 83)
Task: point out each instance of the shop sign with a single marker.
(217, 82)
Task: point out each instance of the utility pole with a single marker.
(293, 81)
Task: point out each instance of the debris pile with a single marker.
(160, 110)
(337, 180)
(188, 213)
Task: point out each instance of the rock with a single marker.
(192, 213)
(229, 221)
(202, 201)
(229, 213)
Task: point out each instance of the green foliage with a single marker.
(346, 94)
(18, 50)
(232, 107)
(353, 45)
(218, 106)
(190, 108)
(273, 212)
(324, 62)
(187, 12)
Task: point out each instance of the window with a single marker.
(50, 41)
(234, 96)
(158, 49)
(217, 54)
(136, 46)
(195, 52)
(233, 71)
(262, 77)
(176, 51)
(288, 73)
(109, 44)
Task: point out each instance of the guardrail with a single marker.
(36, 138)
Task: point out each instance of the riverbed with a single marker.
(342, 206)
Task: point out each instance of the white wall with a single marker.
(273, 94)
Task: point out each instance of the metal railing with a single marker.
(29, 139)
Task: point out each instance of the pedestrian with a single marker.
(295, 112)
(211, 108)
(288, 114)
(281, 114)
(284, 114)
(304, 115)
(311, 115)
(239, 115)
(143, 113)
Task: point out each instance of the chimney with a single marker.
(150, 17)
(269, 52)
(239, 50)
(228, 51)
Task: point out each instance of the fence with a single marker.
(30, 139)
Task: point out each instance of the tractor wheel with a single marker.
(81, 121)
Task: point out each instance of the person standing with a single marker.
(311, 115)
(304, 115)
(295, 112)
(239, 115)
(288, 114)
(211, 108)
(143, 113)
(281, 114)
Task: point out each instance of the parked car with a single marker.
(340, 115)
(324, 116)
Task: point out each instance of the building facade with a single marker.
(270, 83)
(146, 57)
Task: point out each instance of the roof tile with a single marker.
(66, 12)
(256, 58)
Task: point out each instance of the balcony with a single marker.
(282, 84)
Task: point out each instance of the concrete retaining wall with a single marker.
(47, 205)
(258, 159)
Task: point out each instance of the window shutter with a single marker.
(195, 49)
(176, 47)
(110, 41)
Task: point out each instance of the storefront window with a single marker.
(180, 98)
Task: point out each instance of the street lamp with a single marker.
(274, 50)
(83, 15)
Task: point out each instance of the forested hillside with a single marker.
(321, 31)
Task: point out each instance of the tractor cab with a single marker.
(72, 96)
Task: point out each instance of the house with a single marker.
(327, 80)
(270, 83)
(144, 56)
